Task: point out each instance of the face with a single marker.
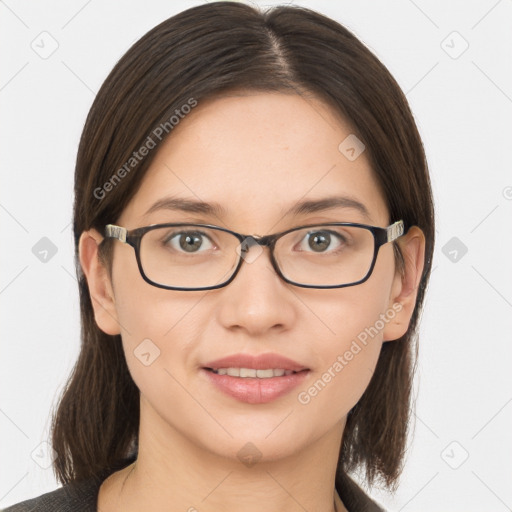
(256, 155)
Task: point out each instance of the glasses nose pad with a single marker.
(243, 249)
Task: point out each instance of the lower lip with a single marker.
(255, 390)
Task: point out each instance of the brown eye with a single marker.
(188, 241)
(322, 241)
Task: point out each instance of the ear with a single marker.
(100, 286)
(405, 283)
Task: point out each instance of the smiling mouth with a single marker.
(251, 373)
(255, 385)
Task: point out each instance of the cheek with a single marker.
(348, 355)
(348, 349)
(159, 329)
(145, 311)
(333, 392)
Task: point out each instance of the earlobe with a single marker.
(405, 285)
(98, 281)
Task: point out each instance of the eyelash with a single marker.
(202, 234)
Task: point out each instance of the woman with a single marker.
(254, 231)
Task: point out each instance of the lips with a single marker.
(260, 362)
(255, 390)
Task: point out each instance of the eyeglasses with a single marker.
(205, 257)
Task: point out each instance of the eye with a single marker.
(323, 240)
(188, 241)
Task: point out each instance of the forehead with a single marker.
(257, 155)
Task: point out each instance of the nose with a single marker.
(257, 300)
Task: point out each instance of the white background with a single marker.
(463, 107)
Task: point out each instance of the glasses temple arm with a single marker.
(395, 230)
(113, 231)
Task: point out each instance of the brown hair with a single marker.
(199, 53)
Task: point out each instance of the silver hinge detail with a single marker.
(395, 230)
(118, 232)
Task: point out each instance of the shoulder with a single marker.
(80, 497)
(353, 497)
(74, 497)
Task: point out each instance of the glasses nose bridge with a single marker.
(247, 241)
(262, 241)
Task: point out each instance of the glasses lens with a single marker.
(188, 256)
(198, 257)
(325, 255)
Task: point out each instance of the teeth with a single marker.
(248, 372)
(252, 373)
(265, 374)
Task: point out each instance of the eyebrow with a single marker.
(301, 208)
(187, 205)
(329, 203)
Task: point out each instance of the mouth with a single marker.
(253, 373)
(245, 365)
(255, 379)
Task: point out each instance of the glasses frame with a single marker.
(133, 238)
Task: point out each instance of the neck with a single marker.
(174, 473)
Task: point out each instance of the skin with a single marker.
(190, 432)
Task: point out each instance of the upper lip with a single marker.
(259, 362)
